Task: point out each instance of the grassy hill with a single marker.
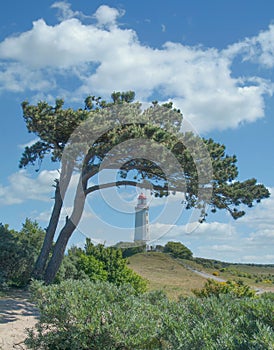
(165, 273)
(174, 277)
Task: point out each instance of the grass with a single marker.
(249, 273)
(165, 273)
(168, 274)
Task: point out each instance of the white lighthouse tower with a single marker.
(141, 220)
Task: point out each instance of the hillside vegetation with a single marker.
(175, 278)
(165, 273)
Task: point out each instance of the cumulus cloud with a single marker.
(104, 56)
(22, 187)
(107, 16)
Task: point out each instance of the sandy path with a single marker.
(16, 314)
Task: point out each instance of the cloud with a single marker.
(225, 248)
(258, 49)
(107, 16)
(28, 144)
(64, 10)
(23, 187)
(222, 241)
(260, 218)
(104, 57)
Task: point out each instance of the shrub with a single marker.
(79, 315)
(99, 263)
(212, 287)
(130, 248)
(178, 250)
(87, 315)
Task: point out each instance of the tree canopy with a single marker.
(18, 252)
(147, 147)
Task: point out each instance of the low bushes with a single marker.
(86, 315)
(212, 287)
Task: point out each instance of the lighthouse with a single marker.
(141, 220)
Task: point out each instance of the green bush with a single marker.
(178, 250)
(130, 248)
(18, 252)
(99, 263)
(212, 287)
(79, 315)
(85, 315)
(127, 252)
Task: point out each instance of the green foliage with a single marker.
(83, 315)
(212, 287)
(69, 268)
(100, 263)
(178, 250)
(18, 252)
(130, 248)
(210, 263)
(9, 254)
(92, 267)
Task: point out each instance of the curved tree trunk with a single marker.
(65, 234)
(47, 244)
(61, 188)
(58, 252)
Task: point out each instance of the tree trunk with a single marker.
(66, 232)
(47, 244)
(58, 252)
(61, 187)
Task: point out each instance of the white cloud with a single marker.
(43, 216)
(222, 241)
(225, 248)
(260, 218)
(257, 49)
(103, 57)
(28, 144)
(23, 187)
(207, 232)
(64, 10)
(107, 16)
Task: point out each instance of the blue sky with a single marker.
(214, 59)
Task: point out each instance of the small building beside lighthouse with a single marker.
(141, 220)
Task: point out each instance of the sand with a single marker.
(16, 314)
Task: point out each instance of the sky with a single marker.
(214, 59)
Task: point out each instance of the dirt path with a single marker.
(16, 314)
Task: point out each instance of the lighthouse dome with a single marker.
(142, 201)
(142, 196)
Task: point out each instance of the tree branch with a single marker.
(127, 183)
